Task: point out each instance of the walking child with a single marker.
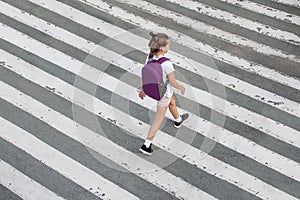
(159, 46)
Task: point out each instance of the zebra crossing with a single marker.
(72, 122)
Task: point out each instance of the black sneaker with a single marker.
(184, 118)
(148, 151)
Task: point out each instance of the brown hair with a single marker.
(157, 41)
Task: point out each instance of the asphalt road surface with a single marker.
(71, 121)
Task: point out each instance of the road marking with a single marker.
(135, 164)
(131, 39)
(252, 119)
(61, 163)
(275, 192)
(295, 3)
(219, 33)
(265, 10)
(218, 14)
(229, 139)
(228, 81)
(95, 141)
(22, 185)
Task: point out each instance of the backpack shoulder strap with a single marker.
(162, 60)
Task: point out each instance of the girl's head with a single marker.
(159, 43)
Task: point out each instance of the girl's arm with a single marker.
(142, 93)
(174, 83)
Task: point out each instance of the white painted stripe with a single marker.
(265, 10)
(295, 3)
(240, 86)
(134, 126)
(212, 12)
(73, 170)
(140, 43)
(22, 185)
(112, 151)
(61, 60)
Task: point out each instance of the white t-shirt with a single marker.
(167, 67)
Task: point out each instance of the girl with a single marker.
(159, 46)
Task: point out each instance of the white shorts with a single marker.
(165, 101)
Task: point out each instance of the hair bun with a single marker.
(151, 34)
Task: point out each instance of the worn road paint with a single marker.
(111, 30)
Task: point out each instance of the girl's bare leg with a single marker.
(173, 108)
(159, 117)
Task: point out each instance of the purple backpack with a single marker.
(152, 78)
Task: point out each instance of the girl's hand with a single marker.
(142, 94)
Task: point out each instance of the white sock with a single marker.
(147, 143)
(179, 119)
